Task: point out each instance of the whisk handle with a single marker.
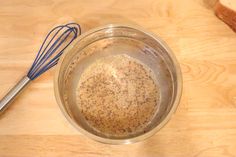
(6, 100)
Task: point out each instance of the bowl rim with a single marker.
(133, 139)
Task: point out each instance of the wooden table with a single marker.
(205, 122)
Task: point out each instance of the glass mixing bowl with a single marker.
(112, 40)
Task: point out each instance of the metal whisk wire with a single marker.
(48, 56)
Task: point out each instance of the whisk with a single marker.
(57, 40)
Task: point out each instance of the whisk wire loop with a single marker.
(55, 46)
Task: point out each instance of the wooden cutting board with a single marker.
(205, 122)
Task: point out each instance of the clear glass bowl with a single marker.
(112, 40)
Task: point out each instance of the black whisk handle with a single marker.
(9, 97)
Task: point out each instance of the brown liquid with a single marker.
(118, 95)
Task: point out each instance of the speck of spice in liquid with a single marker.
(117, 95)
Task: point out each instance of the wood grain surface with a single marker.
(205, 122)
